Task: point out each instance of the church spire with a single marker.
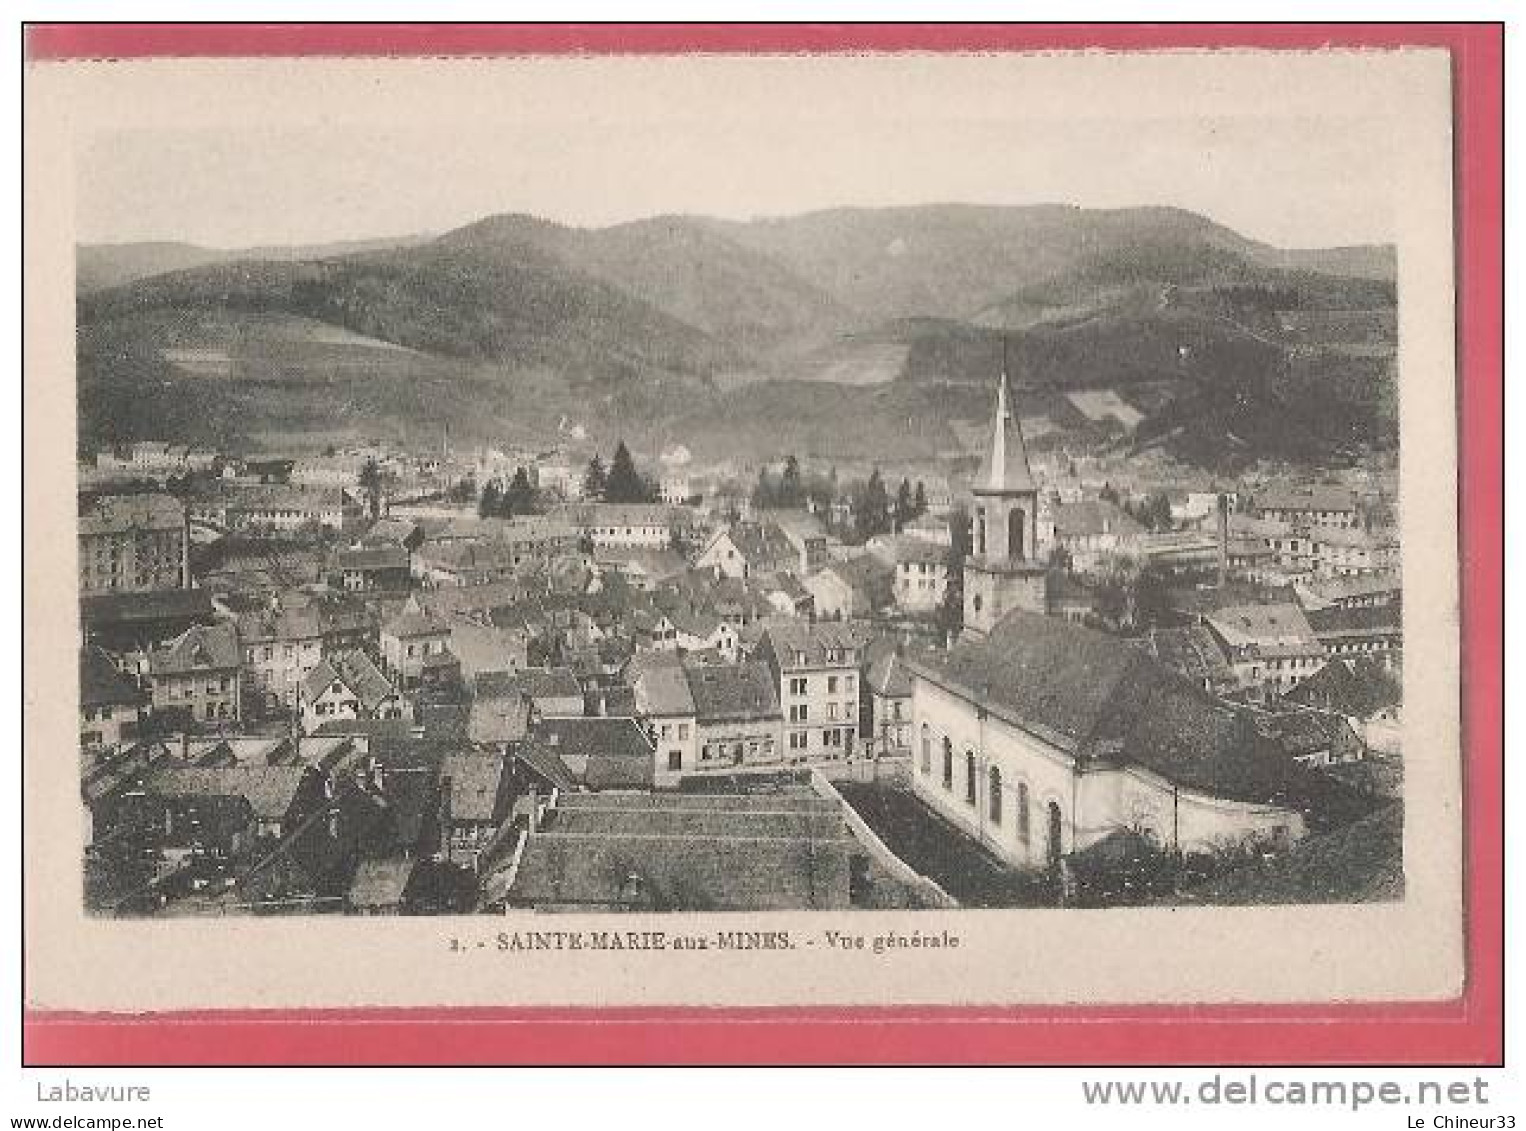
(1004, 469)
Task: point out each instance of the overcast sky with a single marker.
(590, 157)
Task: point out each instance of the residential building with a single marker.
(479, 799)
(281, 646)
(889, 681)
(373, 569)
(627, 526)
(408, 640)
(110, 705)
(921, 570)
(1271, 647)
(224, 811)
(1093, 530)
(664, 703)
(736, 717)
(195, 678)
(1371, 632)
(1330, 508)
(348, 685)
(816, 668)
(1043, 738)
(131, 543)
(749, 549)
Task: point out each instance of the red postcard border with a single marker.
(1468, 1031)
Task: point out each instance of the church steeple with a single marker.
(1006, 567)
(1004, 468)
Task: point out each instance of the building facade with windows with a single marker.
(132, 543)
(817, 668)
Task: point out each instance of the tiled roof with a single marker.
(284, 624)
(615, 753)
(1359, 688)
(496, 719)
(270, 790)
(660, 685)
(408, 624)
(1092, 517)
(475, 785)
(101, 685)
(199, 648)
(372, 557)
(1360, 621)
(1098, 697)
(356, 671)
(1243, 626)
(733, 692)
(1309, 499)
(548, 683)
(793, 637)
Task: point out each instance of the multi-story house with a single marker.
(196, 677)
(280, 646)
(373, 569)
(132, 543)
(348, 686)
(1271, 648)
(664, 703)
(1093, 529)
(1325, 507)
(749, 549)
(407, 641)
(628, 526)
(921, 575)
(817, 668)
(888, 681)
(737, 718)
(110, 704)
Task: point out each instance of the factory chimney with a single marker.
(1223, 516)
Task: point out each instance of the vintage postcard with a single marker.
(971, 529)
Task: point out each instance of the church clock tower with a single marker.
(1007, 568)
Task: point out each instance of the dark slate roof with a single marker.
(1363, 620)
(546, 764)
(1099, 697)
(101, 685)
(1193, 651)
(153, 605)
(1359, 688)
(615, 753)
(733, 692)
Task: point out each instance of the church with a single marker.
(1039, 738)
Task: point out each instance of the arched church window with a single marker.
(927, 750)
(948, 765)
(1023, 828)
(994, 799)
(970, 785)
(980, 531)
(1016, 526)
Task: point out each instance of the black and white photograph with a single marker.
(731, 488)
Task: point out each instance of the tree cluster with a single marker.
(620, 483)
(519, 498)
